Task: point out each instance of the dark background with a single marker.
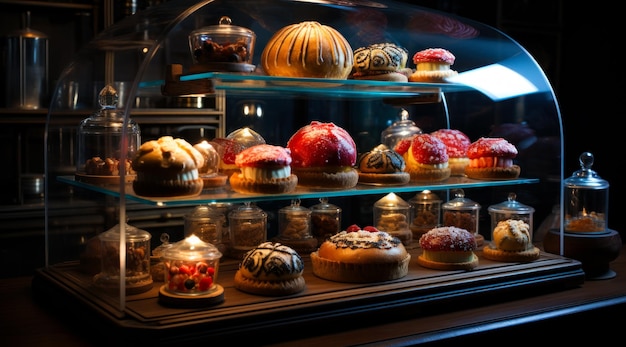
(576, 43)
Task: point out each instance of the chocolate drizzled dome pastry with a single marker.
(382, 166)
(271, 269)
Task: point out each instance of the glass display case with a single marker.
(500, 91)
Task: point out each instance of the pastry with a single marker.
(271, 269)
(433, 65)
(511, 242)
(324, 156)
(308, 50)
(448, 248)
(382, 166)
(209, 172)
(167, 167)
(264, 169)
(456, 145)
(381, 62)
(426, 158)
(228, 150)
(492, 158)
(360, 256)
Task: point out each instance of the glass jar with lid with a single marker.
(248, 228)
(222, 47)
(206, 223)
(463, 213)
(399, 130)
(586, 199)
(391, 214)
(425, 213)
(294, 228)
(511, 209)
(192, 267)
(136, 269)
(99, 140)
(325, 220)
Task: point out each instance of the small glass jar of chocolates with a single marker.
(248, 229)
(325, 220)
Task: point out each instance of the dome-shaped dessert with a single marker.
(308, 49)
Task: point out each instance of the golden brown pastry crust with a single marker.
(493, 172)
(507, 256)
(327, 180)
(275, 186)
(469, 265)
(269, 288)
(359, 272)
(429, 175)
(432, 76)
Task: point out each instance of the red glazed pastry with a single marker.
(433, 65)
(426, 158)
(492, 158)
(456, 144)
(448, 248)
(264, 169)
(324, 156)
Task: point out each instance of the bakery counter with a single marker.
(324, 304)
(445, 307)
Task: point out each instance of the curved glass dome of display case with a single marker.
(500, 91)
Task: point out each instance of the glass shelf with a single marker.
(227, 195)
(233, 82)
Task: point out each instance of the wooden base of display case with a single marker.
(323, 306)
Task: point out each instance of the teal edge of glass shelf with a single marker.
(227, 195)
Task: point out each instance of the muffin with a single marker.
(167, 167)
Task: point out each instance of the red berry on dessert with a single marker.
(324, 156)
(427, 159)
(433, 65)
(456, 144)
(264, 169)
(492, 158)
